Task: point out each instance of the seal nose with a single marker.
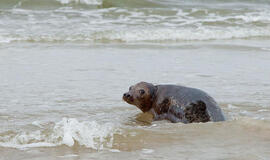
(126, 95)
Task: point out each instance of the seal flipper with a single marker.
(176, 114)
(196, 112)
(170, 110)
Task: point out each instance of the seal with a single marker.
(174, 103)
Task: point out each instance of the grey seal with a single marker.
(174, 103)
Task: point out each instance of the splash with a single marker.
(66, 132)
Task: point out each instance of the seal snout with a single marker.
(127, 97)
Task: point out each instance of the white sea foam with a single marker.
(68, 156)
(117, 24)
(263, 110)
(147, 151)
(114, 150)
(202, 33)
(266, 49)
(230, 106)
(66, 132)
(148, 35)
(6, 39)
(88, 2)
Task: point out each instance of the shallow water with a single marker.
(64, 101)
(64, 65)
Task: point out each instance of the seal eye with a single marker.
(141, 91)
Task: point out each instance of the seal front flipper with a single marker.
(170, 110)
(176, 114)
(196, 112)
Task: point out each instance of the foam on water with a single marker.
(202, 33)
(38, 4)
(132, 25)
(88, 2)
(147, 35)
(66, 132)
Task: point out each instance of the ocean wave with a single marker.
(161, 35)
(130, 25)
(66, 132)
(36, 4)
(88, 2)
(132, 3)
(126, 3)
(175, 35)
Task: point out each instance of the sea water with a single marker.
(64, 65)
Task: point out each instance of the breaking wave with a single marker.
(144, 35)
(37, 4)
(88, 2)
(127, 21)
(68, 131)
(123, 3)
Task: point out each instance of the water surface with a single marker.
(64, 65)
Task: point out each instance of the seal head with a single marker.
(141, 95)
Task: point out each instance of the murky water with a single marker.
(64, 101)
(64, 66)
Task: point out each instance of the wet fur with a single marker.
(175, 103)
